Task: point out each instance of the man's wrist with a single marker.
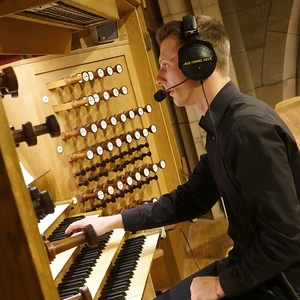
(219, 291)
(118, 221)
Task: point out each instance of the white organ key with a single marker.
(59, 261)
(51, 218)
(138, 282)
(104, 261)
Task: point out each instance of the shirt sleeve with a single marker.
(190, 200)
(260, 157)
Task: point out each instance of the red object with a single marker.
(6, 59)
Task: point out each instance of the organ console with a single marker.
(100, 164)
(94, 267)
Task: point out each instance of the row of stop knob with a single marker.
(117, 184)
(112, 159)
(89, 75)
(109, 145)
(103, 204)
(92, 99)
(96, 97)
(104, 123)
(117, 193)
(85, 76)
(116, 168)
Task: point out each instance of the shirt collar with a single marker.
(218, 107)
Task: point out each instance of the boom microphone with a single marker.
(162, 94)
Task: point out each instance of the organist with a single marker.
(252, 162)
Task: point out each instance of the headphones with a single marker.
(196, 59)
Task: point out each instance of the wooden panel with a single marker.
(289, 110)
(23, 263)
(23, 37)
(22, 34)
(34, 75)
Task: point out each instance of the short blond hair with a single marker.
(209, 30)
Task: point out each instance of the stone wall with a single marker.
(264, 37)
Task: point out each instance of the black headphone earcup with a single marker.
(197, 60)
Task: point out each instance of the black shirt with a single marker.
(253, 163)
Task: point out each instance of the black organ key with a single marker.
(40, 216)
(59, 231)
(82, 267)
(122, 271)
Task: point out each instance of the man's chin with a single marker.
(178, 103)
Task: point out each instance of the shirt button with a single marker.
(213, 137)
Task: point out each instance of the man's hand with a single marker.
(101, 224)
(206, 288)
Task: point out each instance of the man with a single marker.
(252, 162)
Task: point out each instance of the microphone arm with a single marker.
(162, 94)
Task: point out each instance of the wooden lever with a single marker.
(8, 82)
(87, 236)
(29, 133)
(51, 126)
(42, 201)
(84, 294)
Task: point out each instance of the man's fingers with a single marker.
(73, 228)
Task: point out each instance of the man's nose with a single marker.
(160, 79)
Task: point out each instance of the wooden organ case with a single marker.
(111, 129)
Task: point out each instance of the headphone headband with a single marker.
(190, 26)
(196, 59)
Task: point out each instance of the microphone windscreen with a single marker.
(160, 95)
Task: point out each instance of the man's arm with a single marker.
(206, 287)
(101, 224)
